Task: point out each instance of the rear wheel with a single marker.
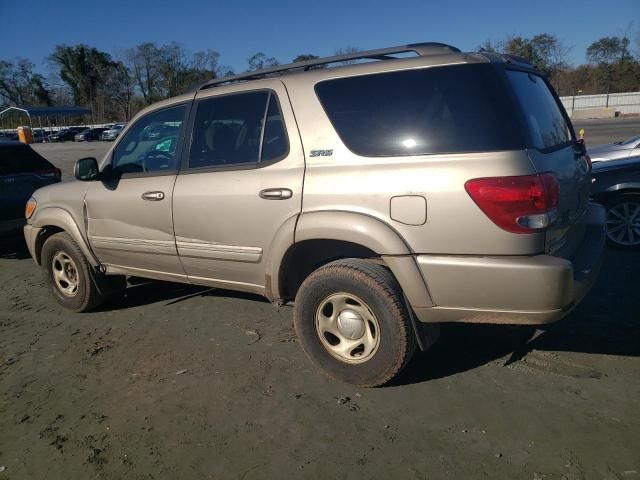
(352, 322)
(74, 283)
(623, 221)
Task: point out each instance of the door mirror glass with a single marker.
(86, 169)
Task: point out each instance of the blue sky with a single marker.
(238, 29)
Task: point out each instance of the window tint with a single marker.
(433, 110)
(20, 158)
(546, 124)
(150, 144)
(274, 144)
(228, 130)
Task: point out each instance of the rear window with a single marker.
(21, 159)
(432, 110)
(545, 121)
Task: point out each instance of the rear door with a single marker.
(554, 150)
(240, 185)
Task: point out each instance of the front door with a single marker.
(240, 185)
(130, 224)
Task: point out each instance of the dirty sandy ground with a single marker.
(177, 382)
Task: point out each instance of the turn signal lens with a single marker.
(30, 208)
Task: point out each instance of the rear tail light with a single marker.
(523, 204)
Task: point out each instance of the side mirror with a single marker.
(86, 169)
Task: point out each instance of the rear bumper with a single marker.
(512, 290)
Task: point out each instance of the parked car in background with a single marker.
(22, 171)
(9, 136)
(89, 134)
(112, 133)
(616, 150)
(616, 184)
(380, 198)
(66, 134)
(40, 135)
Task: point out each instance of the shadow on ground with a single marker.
(142, 292)
(606, 322)
(13, 246)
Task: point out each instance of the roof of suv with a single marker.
(381, 60)
(428, 53)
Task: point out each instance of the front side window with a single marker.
(244, 128)
(547, 126)
(150, 144)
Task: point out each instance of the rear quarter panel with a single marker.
(454, 224)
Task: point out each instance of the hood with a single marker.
(631, 163)
(51, 194)
(607, 147)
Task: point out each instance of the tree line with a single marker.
(115, 87)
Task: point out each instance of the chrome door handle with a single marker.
(153, 196)
(276, 193)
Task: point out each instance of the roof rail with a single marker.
(420, 49)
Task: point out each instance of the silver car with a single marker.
(616, 150)
(379, 198)
(113, 132)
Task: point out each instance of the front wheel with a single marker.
(73, 282)
(352, 322)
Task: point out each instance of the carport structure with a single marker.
(46, 112)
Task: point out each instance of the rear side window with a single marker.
(244, 128)
(21, 158)
(546, 124)
(432, 110)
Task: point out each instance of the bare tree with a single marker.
(348, 50)
(260, 61)
(20, 85)
(143, 62)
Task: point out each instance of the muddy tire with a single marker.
(351, 321)
(74, 283)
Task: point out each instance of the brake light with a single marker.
(523, 204)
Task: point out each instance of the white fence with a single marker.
(628, 102)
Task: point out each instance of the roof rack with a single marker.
(420, 49)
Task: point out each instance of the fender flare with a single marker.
(352, 227)
(358, 228)
(61, 218)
